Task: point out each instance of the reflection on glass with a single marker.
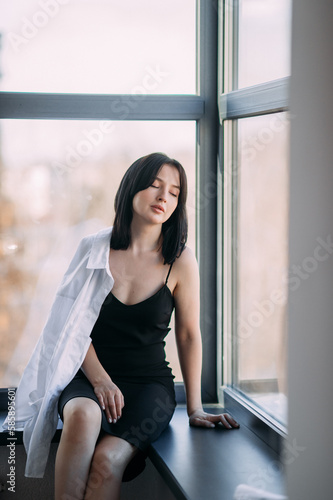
(98, 46)
(58, 182)
(264, 41)
(261, 204)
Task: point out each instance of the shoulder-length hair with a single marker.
(140, 175)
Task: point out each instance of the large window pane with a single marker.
(98, 46)
(58, 182)
(260, 259)
(264, 41)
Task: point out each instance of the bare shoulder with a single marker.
(186, 291)
(186, 260)
(186, 266)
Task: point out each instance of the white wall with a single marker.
(310, 328)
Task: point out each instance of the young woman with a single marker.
(114, 389)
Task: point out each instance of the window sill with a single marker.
(199, 463)
(272, 433)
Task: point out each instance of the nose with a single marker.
(162, 196)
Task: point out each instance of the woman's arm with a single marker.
(108, 394)
(188, 337)
(187, 327)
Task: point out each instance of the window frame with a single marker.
(264, 98)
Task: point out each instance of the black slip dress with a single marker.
(129, 343)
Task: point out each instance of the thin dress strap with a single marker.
(166, 281)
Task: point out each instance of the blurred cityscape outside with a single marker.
(58, 179)
(261, 253)
(47, 207)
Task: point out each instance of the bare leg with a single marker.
(112, 454)
(82, 424)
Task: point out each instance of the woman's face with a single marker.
(157, 203)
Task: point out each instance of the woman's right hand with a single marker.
(111, 399)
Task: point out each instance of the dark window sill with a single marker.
(199, 463)
(273, 434)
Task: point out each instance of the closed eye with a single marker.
(172, 194)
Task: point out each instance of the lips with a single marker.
(158, 208)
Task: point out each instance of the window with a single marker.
(263, 41)
(253, 207)
(62, 155)
(260, 220)
(99, 46)
(66, 174)
(154, 96)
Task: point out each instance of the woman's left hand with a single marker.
(200, 418)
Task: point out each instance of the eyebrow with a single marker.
(161, 180)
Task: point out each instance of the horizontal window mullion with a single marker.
(270, 97)
(26, 105)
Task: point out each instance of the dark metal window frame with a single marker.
(47, 106)
(202, 108)
(265, 98)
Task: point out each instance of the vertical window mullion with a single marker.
(234, 244)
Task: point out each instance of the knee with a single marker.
(81, 419)
(107, 465)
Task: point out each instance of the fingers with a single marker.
(201, 422)
(208, 420)
(110, 410)
(101, 401)
(113, 408)
(228, 421)
(112, 402)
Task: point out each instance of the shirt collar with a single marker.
(100, 250)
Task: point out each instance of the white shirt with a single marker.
(62, 347)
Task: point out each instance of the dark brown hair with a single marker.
(140, 175)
